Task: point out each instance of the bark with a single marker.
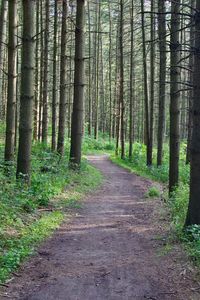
(12, 80)
(63, 74)
(131, 126)
(162, 78)
(78, 104)
(3, 20)
(41, 72)
(152, 79)
(27, 90)
(146, 96)
(37, 86)
(89, 75)
(45, 78)
(54, 91)
(174, 96)
(97, 50)
(193, 214)
(110, 72)
(121, 83)
(190, 101)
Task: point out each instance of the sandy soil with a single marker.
(110, 250)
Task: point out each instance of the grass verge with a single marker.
(30, 214)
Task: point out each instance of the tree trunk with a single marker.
(152, 79)
(174, 96)
(110, 73)
(190, 101)
(131, 126)
(63, 74)
(37, 85)
(146, 96)
(193, 214)
(54, 89)
(27, 90)
(3, 20)
(121, 79)
(41, 72)
(45, 78)
(162, 78)
(89, 75)
(78, 104)
(98, 29)
(12, 79)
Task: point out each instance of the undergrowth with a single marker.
(28, 214)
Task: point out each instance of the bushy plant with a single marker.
(153, 192)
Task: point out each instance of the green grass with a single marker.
(153, 192)
(102, 145)
(29, 214)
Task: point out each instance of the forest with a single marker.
(89, 90)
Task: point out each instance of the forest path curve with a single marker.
(108, 251)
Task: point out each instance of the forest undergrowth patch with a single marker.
(29, 214)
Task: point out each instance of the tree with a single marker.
(174, 95)
(63, 73)
(3, 17)
(162, 78)
(121, 79)
(193, 214)
(54, 88)
(27, 90)
(131, 124)
(152, 86)
(37, 86)
(146, 96)
(77, 115)
(12, 78)
(45, 76)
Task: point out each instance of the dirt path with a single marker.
(109, 251)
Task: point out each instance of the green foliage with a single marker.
(153, 192)
(191, 240)
(23, 220)
(90, 145)
(17, 248)
(178, 204)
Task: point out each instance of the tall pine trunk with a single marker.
(162, 78)
(37, 85)
(3, 19)
(54, 89)
(121, 79)
(45, 76)
(131, 124)
(174, 96)
(193, 214)
(27, 90)
(12, 80)
(146, 96)
(152, 79)
(78, 104)
(190, 93)
(63, 75)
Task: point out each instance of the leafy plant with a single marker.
(153, 192)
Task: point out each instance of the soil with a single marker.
(112, 249)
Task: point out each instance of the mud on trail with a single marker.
(108, 251)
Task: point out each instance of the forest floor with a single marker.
(113, 248)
